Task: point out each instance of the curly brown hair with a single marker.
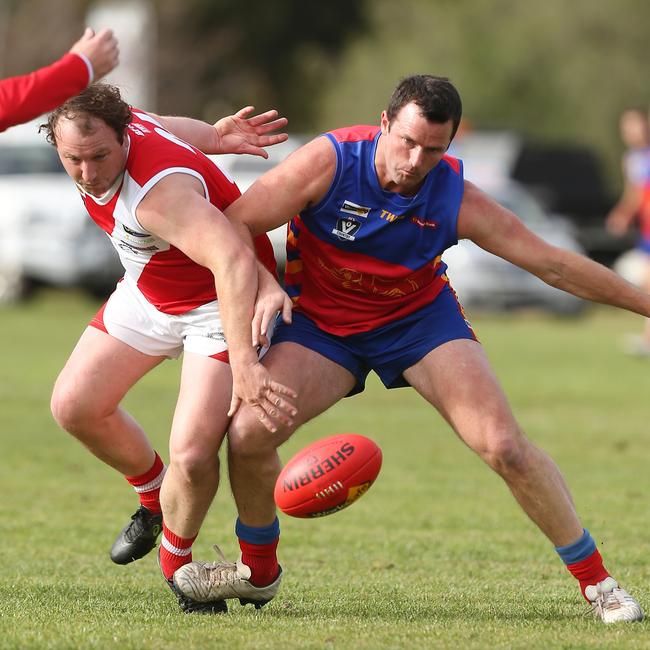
(99, 100)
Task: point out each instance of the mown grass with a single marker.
(437, 555)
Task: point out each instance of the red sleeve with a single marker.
(28, 96)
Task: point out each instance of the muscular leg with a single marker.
(198, 429)
(252, 458)
(86, 399)
(457, 379)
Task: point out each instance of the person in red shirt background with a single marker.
(27, 96)
(633, 207)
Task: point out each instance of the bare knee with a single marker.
(249, 438)
(194, 463)
(505, 450)
(74, 411)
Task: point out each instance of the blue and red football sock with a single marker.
(583, 560)
(258, 548)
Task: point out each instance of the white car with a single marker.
(46, 235)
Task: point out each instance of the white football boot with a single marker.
(205, 582)
(613, 604)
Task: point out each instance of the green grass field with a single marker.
(436, 555)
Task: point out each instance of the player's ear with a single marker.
(385, 123)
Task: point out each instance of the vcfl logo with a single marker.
(346, 228)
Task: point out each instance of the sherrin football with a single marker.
(327, 475)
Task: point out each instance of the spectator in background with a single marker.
(28, 96)
(634, 204)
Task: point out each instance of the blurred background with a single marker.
(543, 85)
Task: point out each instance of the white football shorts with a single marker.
(130, 318)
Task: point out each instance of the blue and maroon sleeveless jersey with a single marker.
(364, 257)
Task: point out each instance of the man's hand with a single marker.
(101, 50)
(270, 300)
(268, 399)
(240, 133)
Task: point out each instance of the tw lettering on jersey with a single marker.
(168, 279)
(364, 257)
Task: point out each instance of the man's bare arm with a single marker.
(296, 183)
(176, 210)
(499, 231)
(275, 198)
(240, 133)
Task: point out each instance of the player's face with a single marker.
(409, 148)
(93, 158)
(635, 129)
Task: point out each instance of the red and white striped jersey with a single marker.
(169, 279)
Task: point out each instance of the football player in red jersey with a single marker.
(377, 206)
(161, 203)
(28, 96)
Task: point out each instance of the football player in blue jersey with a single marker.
(376, 207)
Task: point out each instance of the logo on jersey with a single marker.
(346, 228)
(137, 250)
(354, 208)
(138, 129)
(137, 242)
(135, 233)
(390, 216)
(215, 336)
(424, 223)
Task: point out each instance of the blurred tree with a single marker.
(556, 70)
(217, 55)
(214, 55)
(35, 32)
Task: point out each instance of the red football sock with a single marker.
(147, 485)
(589, 571)
(262, 560)
(175, 551)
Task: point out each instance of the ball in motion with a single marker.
(327, 475)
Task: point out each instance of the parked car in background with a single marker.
(46, 235)
(487, 282)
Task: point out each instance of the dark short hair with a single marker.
(99, 100)
(436, 97)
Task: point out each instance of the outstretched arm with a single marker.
(284, 191)
(296, 183)
(100, 49)
(626, 209)
(499, 231)
(25, 97)
(238, 133)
